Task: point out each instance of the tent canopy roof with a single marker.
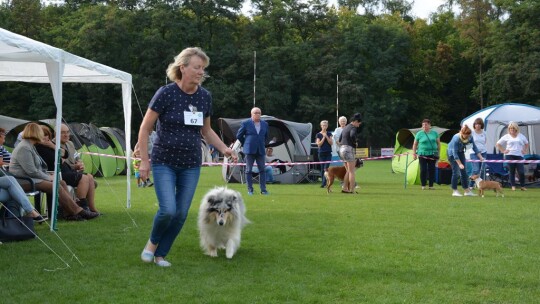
(9, 123)
(230, 126)
(503, 114)
(24, 59)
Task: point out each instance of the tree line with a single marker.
(392, 67)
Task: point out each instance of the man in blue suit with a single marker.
(253, 134)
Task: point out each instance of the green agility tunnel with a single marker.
(404, 144)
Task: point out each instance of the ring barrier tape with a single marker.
(334, 161)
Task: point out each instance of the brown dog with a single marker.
(487, 185)
(339, 172)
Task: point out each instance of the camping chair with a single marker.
(311, 174)
(24, 180)
(497, 171)
(239, 168)
(242, 170)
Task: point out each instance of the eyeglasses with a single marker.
(257, 113)
(64, 132)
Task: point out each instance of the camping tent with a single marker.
(9, 123)
(404, 144)
(86, 138)
(496, 119)
(288, 139)
(27, 60)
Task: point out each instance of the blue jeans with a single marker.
(512, 170)
(10, 190)
(457, 172)
(250, 158)
(478, 168)
(324, 156)
(175, 188)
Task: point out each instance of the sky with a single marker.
(421, 8)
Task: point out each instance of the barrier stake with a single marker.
(406, 167)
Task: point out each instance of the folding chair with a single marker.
(36, 194)
(306, 172)
(497, 171)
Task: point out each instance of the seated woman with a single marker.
(84, 184)
(25, 161)
(10, 190)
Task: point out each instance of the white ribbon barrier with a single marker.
(524, 161)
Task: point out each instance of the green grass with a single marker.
(385, 245)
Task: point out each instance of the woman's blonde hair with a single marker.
(33, 131)
(513, 125)
(173, 70)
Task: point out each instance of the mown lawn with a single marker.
(387, 244)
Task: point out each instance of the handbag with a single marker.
(15, 228)
(436, 151)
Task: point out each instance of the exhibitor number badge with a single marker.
(193, 118)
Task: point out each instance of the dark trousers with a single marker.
(324, 156)
(427, 170)
(259, 159)
(512, 170)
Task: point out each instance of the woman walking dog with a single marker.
(456, 157)
(182, 111)
(347, 141)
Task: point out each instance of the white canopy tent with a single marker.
(497, 117)
(27, 60)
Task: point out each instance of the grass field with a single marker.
(387, 244)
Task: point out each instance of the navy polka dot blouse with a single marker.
(177, 144)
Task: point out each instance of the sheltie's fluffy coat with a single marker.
(221, 219)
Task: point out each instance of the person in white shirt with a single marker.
(479, 137)
(342, 121)
(514, 145)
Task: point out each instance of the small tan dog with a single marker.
(486, 185)
(339, 173)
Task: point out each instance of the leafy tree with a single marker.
(514, 54)
(392, 69)
(26, 15)
(476, 16)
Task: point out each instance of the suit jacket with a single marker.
(25, 161)
(69, 147)
(253, 142)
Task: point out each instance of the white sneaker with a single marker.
(470, 194)
(456, 193)
(423, 188)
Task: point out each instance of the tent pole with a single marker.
(254, 75)
(337, 100)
